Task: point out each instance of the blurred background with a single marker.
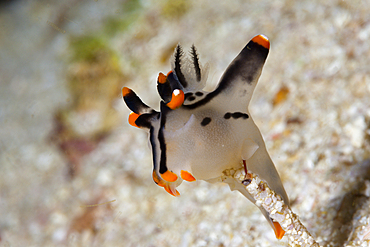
(65, 144)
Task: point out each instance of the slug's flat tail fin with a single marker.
(240, 78)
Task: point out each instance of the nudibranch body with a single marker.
(198, 134)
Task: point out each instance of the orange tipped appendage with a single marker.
(125, 91)
(177, 99)
(162, 78)
(157, 180)
(165, 185)
(187, 176)
(169, 72)
(174, 193)
(169, 176)
(279, 232)
(262, 40)
(132, 118)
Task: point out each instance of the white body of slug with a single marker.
(198, 134)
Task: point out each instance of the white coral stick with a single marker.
(276, 207)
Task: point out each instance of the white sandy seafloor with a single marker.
(318, 137)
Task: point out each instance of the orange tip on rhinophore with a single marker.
(162, 78)
(178, 98)
(169, 72)
(169, 176)
(174, 193)
(125, 91)
(187, 176)
(262, 40)
(279, 232)
(132, 118)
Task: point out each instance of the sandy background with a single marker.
(65, 142)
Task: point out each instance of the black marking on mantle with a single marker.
(236, 115)
(206, 121)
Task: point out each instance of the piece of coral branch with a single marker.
(278, 211)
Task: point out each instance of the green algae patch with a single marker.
(89, 48)
(175, 9)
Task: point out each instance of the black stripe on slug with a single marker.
(144, 120)
(153, 144)
(162, 143)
